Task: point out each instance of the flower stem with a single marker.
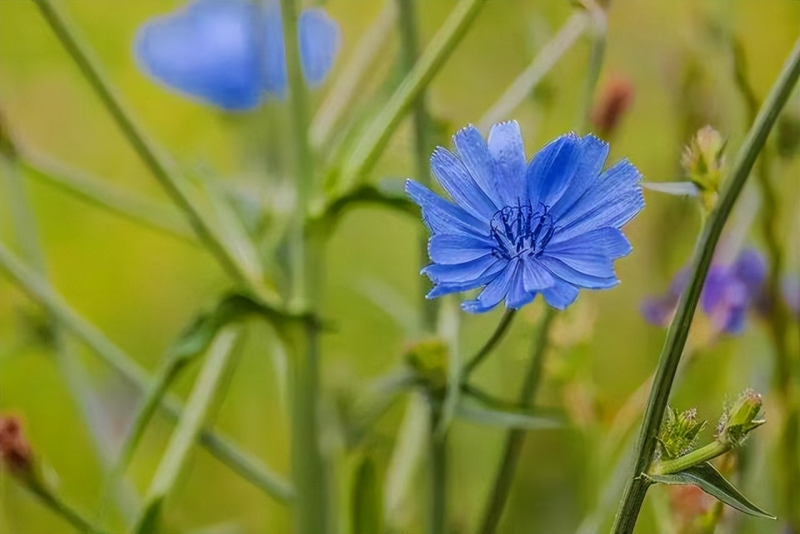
(66, 511)
(636, 488)
(515, 439)
(162, 169)
(375, 137)
(38, 289)
(312, 513)
(437, 443)
(596, 57)
(488, 347)
(697, 456)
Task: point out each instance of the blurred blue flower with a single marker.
(230, 52)
(791, 294)
(551, 226)
(730, 290)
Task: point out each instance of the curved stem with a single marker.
(60, 507)
(489, 346)
(636, 488)
(515, 439)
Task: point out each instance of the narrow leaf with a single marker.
(681, 189)
(479, 410)
(707, 478)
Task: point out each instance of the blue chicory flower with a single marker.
(551, 226)
(730, 290)
(230, 53)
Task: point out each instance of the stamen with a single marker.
(520, 230)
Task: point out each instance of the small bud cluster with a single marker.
(679, 433)
(15, 450)
(703, 162)
(428, 358)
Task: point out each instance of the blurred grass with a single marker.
(141, 287)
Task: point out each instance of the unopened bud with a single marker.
(740, 419)
(616, 98)
(679, 432)
(15, 451)
(703, 162)
(429, 358)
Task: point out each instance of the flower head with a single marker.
(730, 290)
(549, 226)
(230, 52)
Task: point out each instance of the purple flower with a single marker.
(729, 292)
(517, 228)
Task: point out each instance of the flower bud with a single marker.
(428, 358)
(615, 100)
(15, 451)
(679, 432)
(703, 161)
(740, 419)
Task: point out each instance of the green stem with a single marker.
(636, 488)
(437, 446)
(57, 505)
(491, 343)
(596, 57)
(205, 391)
(162, 169)
(221, 447)
(778, 324)
(697, 456)
(520, 89)
(409, 52)
(375, 137)
(515, 439)
(309, 469)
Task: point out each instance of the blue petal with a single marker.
(443, 217)
(460, 185)
(717, 288)
(463, 272)
(560, 295)
(320, 40)
(473, 151)
(593, 156)
(751, 269)
(609, 242)
(452, 249)
(552, 169)
(518, 296)
(508, 153)
(598, 278)
(536, 277)
(458, 287)
(274, 51)
(207, 50)
(611, 201)
(492, 294)
(658, 311)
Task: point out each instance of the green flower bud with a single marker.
(703, 162)
(679, 433)
(737, 421)
(428, 358)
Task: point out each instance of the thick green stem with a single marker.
(221, 447)
(162, 169)
(515, 439)
(375, 137)
(437, 446)
(491, 343)
(636, 488)
(312, 510)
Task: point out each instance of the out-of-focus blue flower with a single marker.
(551, 226)
(231, 52)
(730, 290)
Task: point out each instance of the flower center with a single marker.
(521, 230)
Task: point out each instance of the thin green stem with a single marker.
(520, 89)
(162, 169)
(491, 343)
(515, 439)
(53, 501)
(697, 456)
(375, 137)
(778, 324)
(221, 447)
(312, 510)
(206, 390)
(596, 57)
(437, 447)
(636, 488)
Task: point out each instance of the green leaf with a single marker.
(367, 500)
(479, 409)
(707, 478)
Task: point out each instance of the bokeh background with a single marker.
(142, 287)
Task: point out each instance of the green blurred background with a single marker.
(142, 287)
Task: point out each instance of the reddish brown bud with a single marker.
(615, 99)
(15, 450)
